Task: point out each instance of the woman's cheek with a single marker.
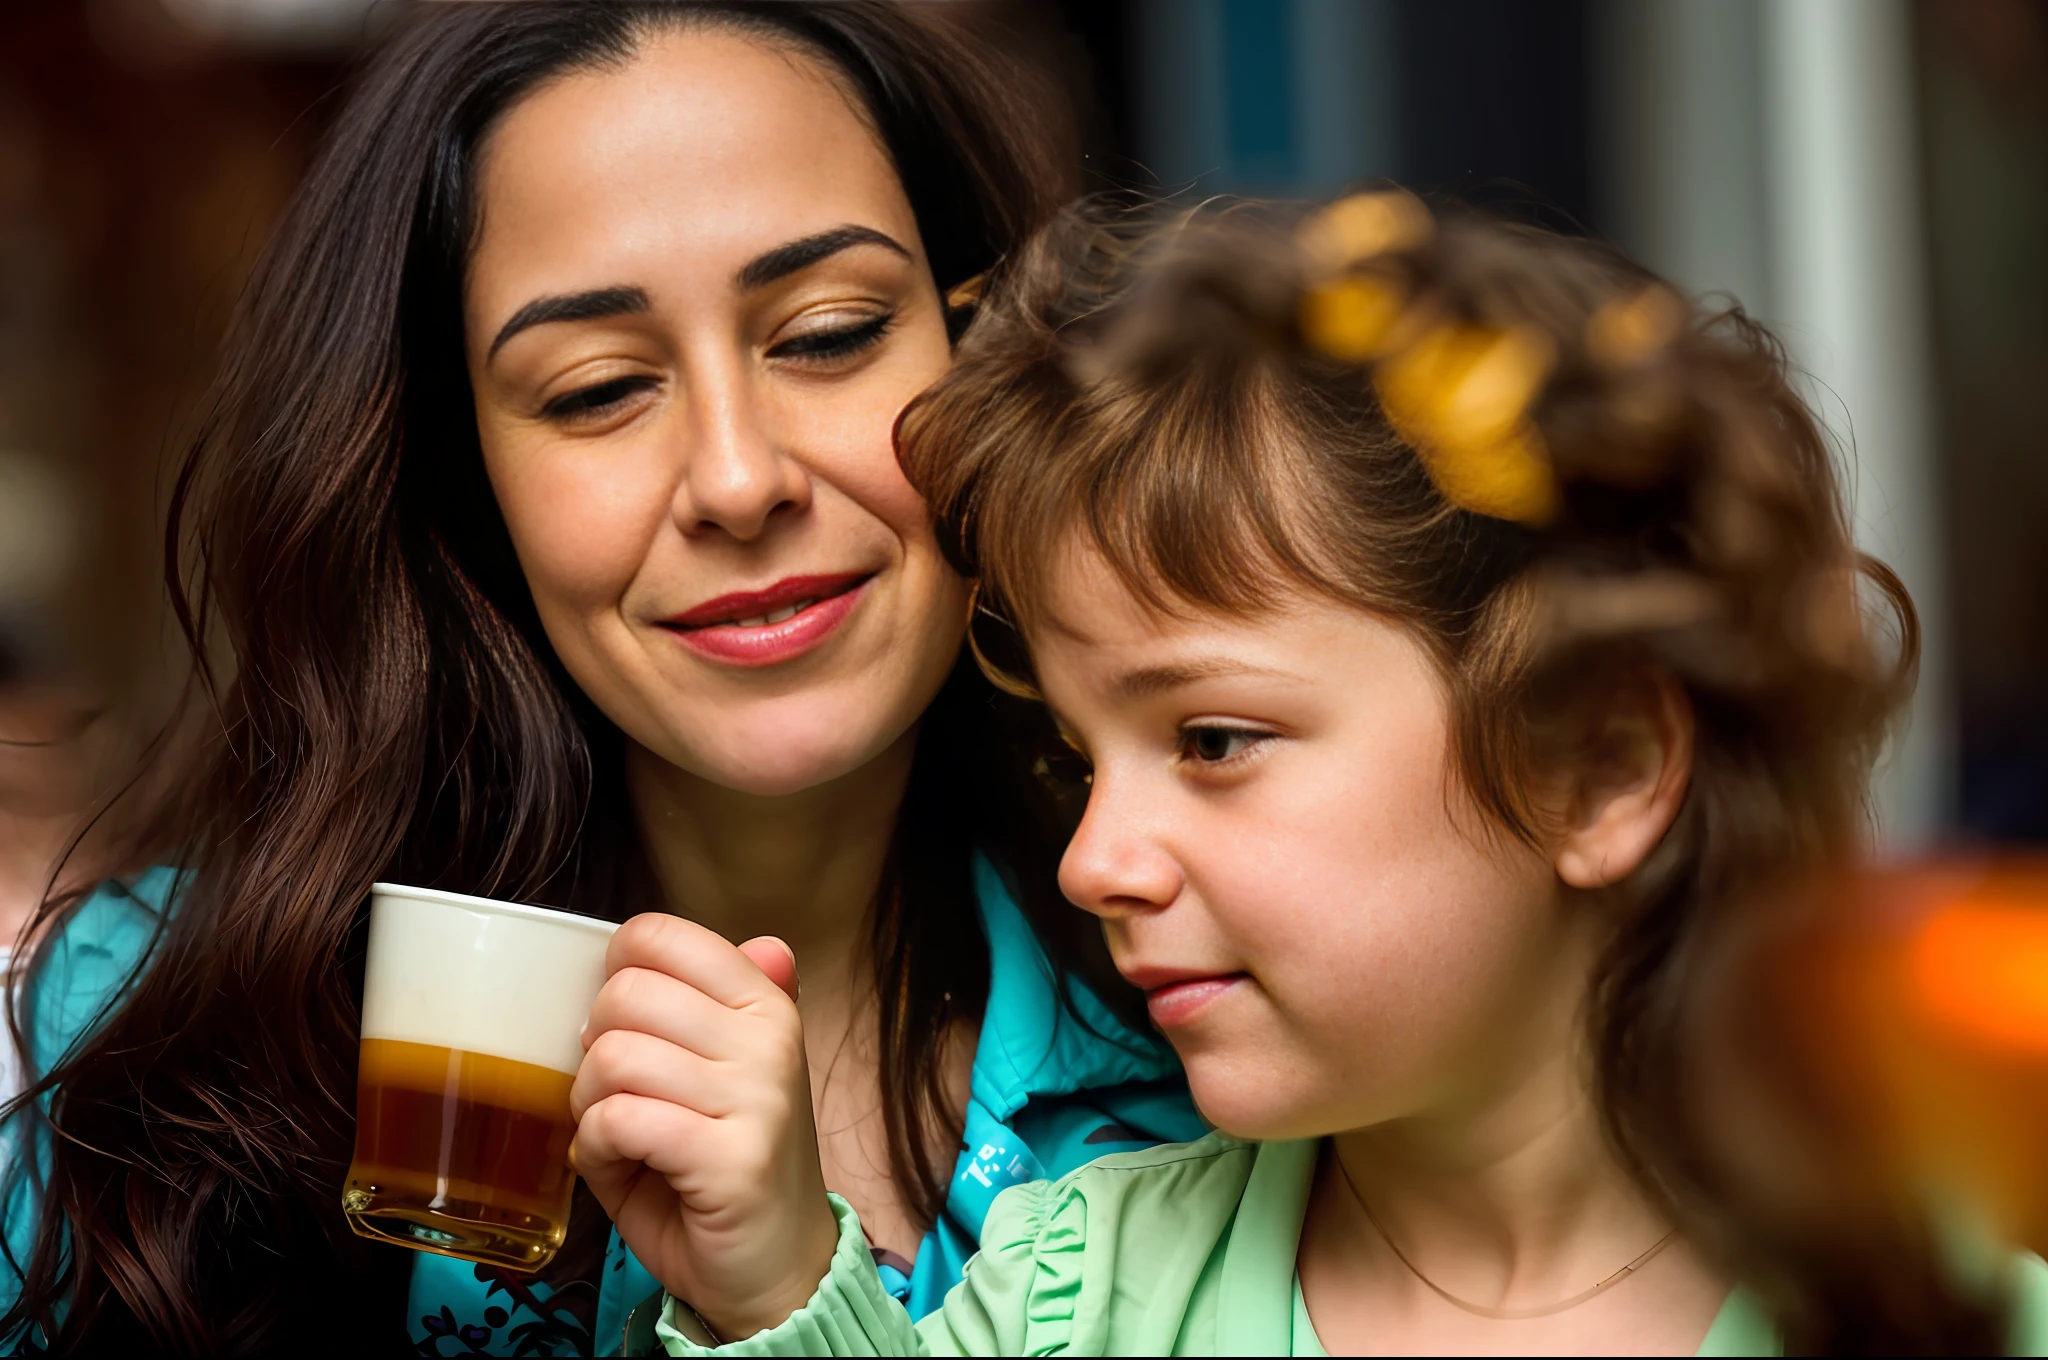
(849, 433)
(857, 458)
(581, 525)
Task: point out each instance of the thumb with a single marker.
(776, 959)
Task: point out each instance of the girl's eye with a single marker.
(840, 342)
(595, 399)
(1214, 745)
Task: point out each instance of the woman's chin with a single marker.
(775, 756)
(787, 777)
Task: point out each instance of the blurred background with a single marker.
(1869, 175)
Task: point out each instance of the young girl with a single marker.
(1457, 629)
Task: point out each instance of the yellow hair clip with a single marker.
(967, 292)
(1351, 318)
(1355, 229)
(1460, 395)
(1627, 330)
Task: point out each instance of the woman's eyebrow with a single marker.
(806, 251)
(588, 306)
(758, 272)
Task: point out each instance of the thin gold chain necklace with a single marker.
(1480, 1309)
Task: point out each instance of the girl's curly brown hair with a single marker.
(1555, 471)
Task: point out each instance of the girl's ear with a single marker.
(1629, 780)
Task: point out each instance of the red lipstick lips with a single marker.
(764, 627)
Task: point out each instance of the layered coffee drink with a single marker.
(467, 1134)
(472, 1019)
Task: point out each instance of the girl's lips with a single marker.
(1182, 1001)
(752, 640)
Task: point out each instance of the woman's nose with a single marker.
(1113, 866)
(737, 476)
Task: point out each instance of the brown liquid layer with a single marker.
(437, 1125)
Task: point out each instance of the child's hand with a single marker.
(694, 1128)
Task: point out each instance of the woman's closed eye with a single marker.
(1216, 745)
(827, 345)
(822, 347)
(598, 399)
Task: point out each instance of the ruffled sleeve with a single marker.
(1018, 1296)
(851, 1314)
(1022, 1294)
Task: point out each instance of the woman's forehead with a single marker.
(687, 161)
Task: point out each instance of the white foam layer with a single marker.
(490, 977)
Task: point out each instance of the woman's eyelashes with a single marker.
(822, 347)
(827, 345)
(1215, 745)
(598, 399)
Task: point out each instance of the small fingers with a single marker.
(623, 1132)
(690, 953)
(776, 960)
(655, 1003)
(631, 1062)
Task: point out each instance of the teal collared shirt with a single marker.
(76, 979)
(1049, 1093)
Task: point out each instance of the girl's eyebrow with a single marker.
(1148, 681)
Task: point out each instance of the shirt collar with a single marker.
(1031, 1046)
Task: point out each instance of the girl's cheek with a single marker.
(1372, 911)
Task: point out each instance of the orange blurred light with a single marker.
(1981, 969)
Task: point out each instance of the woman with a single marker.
(550, 507)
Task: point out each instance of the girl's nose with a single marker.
(737, 477)
(1113, 866)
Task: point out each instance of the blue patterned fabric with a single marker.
(1048, 1094)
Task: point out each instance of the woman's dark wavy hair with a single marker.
(392, 710)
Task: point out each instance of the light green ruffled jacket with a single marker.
(1186, 1249)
